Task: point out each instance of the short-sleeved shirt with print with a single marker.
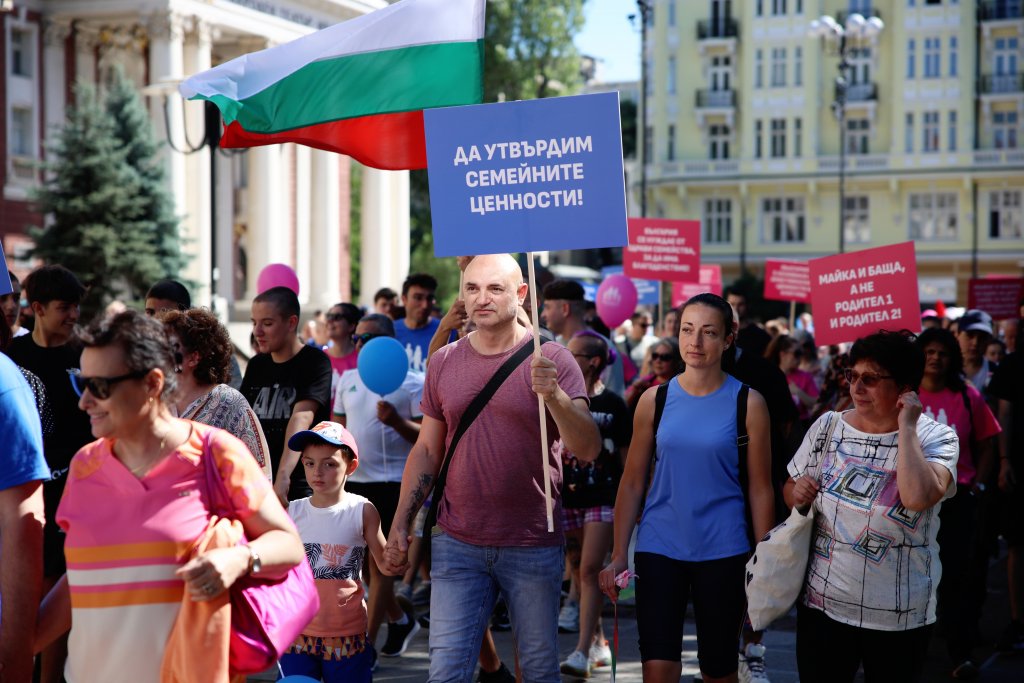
(225, 408)
(127, 536)
(948, 407)
(874, 564)
(495, 490)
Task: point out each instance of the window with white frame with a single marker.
(857, 133)
(778, 67)
(717, 221)
(671, 85)
(933, 216)
(670, 152)
(911, 57)
(951, 141)
(860, 65)
(908, 133)
(1005, 53)
(21, 53)
(21, 133)
(758, 136)
(759, 9)
(798, 137)
(782, 219)
(759, 68)
(718, 141)
(671, 13)
(930, 131)
(856, 219)
(1004, 129)
(932, 57)
(778, 7)
(778, 148)
(798, 66)
(720, 72)
(1005, 220)
(953, 51)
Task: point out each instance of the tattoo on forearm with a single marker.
(419, 494)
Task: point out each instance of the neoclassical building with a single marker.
(281, 203)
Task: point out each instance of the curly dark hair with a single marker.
(143, 341)
(895, 352)
(197, 329)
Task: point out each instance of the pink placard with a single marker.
(710, 281)
(787, 280)
(998, 296)
(661, 249)
(856, 294)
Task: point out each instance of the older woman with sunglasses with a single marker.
(666, 363)
(136, 502)
(875, 475)
(203, 353)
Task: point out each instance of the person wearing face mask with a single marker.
(876, 476)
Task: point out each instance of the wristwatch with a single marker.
(255, 563)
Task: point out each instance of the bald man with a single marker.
(491, 534)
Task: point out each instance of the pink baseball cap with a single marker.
(324, 433)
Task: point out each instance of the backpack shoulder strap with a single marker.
(660, 397)
(742, 441)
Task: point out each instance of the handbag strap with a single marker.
(472, 411)
(215, 488)
(820, 447)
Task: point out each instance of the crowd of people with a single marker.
(673, 446)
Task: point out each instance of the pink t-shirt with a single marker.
(339, 366)
(126, 537)
(805, 381)
(947, 407)
(495, 489)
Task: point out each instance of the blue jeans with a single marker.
(466, 580)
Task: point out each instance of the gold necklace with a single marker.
(136, 470)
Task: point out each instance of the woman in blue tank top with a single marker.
(694, 536)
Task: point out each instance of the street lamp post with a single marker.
(838, 39)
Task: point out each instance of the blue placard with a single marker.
(646, 290)
(589, 290)
(538, 175)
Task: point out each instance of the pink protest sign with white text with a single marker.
(862, 292)
(661, 249)
(787, 280)
(710, 281)
(998, 296)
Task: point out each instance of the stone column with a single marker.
(86, 41)
(303, 198)
(325, 231)
(268, 231)
(198, 224)
(384, 231)
(55, 36)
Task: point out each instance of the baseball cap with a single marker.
(330, 433)
(975, 321)
(929, 313)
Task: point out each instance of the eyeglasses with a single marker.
(869, 379)
(667, 357)
(365, 337)
(99, 387)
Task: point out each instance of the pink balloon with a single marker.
(616, 300)
(277, 275)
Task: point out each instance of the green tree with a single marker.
(529, 53)
(109, 217)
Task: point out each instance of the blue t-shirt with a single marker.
(416, 342)
(22, 460)
(695, 508)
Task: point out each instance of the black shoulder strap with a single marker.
(967, 405)
(742, 441)
(471, 413)
(660, 397)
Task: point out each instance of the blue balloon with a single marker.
(298, 679)
(383, 365)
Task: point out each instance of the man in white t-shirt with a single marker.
(385, 427)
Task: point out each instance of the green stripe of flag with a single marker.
(388, 81)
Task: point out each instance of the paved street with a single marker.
(781, 643)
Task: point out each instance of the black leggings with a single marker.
(828, 651)
(663, 589)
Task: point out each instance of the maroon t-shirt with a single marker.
(495, 491)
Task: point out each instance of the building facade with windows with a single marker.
(279, 203)
(742, 133)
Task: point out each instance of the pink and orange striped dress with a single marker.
(126, 536)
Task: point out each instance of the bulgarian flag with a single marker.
(357, 88)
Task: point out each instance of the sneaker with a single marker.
(421, 596)
(1012, 638)
(600, 655)
(576, 665)
(404, 590)
(752, 669)
(500, 620)
(965, 671)
(424, 620)
(400, 635)
(502, 675)
(569, 618)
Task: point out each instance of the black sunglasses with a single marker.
(365, 337)
(667, 357)
(99, 387)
